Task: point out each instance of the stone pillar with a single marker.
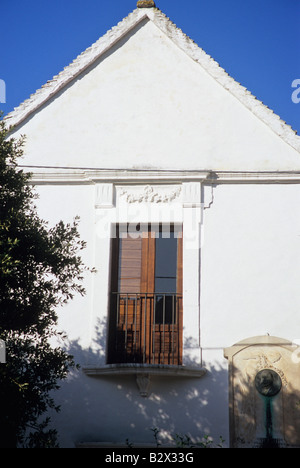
(192, 216)
(264, 393)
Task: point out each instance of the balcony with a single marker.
(146, 329)
(145, 340)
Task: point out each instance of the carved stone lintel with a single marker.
(149, 194)
(143, 383)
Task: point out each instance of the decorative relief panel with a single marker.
(150, 194)
(264, 393)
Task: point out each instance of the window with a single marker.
(146, 296)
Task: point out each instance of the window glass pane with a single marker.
(165, 285)
(165, 263)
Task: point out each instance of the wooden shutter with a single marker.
(130, 265)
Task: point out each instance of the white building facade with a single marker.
(188, 193)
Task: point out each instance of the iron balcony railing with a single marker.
(148, 328)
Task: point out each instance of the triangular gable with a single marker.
(228, 144)
(90, 55)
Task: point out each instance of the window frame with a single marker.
(145, 300)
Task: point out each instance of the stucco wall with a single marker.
(250, 262)
(248, 285)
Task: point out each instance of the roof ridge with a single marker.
(184, 42)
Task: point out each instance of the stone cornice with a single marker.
(48, 176)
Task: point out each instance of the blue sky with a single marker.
(256, 41)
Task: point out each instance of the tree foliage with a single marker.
(40, 269)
